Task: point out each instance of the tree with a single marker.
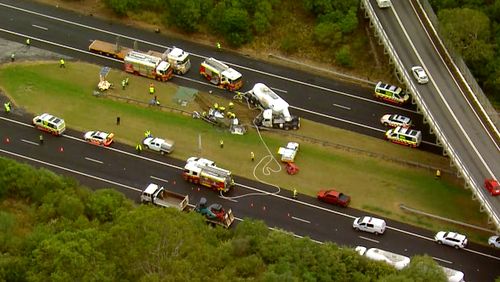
(235, 24)
(327, 34)
(343, 56)
(105, 205)
(469, 37)
(70, 256)
(185, 14)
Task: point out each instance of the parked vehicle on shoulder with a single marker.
(494, 241)
(453, 239)
(391, 93)
(419, 74)
(404, 136)
(369, 224)
(50, 123)
(492, 186)
(395, 120)
(99, 138)
(163, 146)
(334, 197)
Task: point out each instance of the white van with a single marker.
(384, 3)
(369, 224)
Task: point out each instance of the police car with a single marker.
(394, 120)
(99, 138)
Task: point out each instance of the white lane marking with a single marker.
(93, 160)
(443, 260)
(452, 112)
(279, 90)
(300, 219)
(204, 57)
(157, 178)
(238, 184)
(369, 239)
(342, 107)
(71, 170)
(295, 235)
(40, 27)
(30, 142)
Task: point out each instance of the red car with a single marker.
(334, 197)
(492, 186)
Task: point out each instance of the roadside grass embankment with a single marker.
(375, 184)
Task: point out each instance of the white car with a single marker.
(369, 224)
(451, 239)
(394, 120)
(420, 75)
(494, 241)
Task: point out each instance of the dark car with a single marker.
(334, 197)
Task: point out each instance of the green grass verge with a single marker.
(375, 184)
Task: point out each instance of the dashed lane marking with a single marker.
(369, 239)
(30, 142)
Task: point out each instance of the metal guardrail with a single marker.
(417, 99)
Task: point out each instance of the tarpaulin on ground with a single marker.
(184, 95)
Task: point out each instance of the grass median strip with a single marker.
(375, 184)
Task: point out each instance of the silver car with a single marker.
(419, 74)
(494, 241)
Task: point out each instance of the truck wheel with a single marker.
(386, 124)
(295, 127)
(356, 228)
(287, 127)
(376, 233)
(439, 242)
(162, 152)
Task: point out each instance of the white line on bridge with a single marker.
(93, 160)
(342, 107)
(40, 27)
(443, 260)
(369, 239)
(300, 219)
(30, 142)
(157, 178)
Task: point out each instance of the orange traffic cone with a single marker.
(7, 140)
(61, 149)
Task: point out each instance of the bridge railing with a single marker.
(417, 99)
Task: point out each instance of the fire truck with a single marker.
(221, 74)
(146, 65)
(206, 173)
(178, 59)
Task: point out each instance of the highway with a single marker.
(121, 168)
(477, 149)
(311, 96)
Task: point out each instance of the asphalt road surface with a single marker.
(311, 96)
(121, 168)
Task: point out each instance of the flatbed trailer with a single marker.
(109, 49)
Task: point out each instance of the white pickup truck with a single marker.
(158, 196)
(164, 146)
